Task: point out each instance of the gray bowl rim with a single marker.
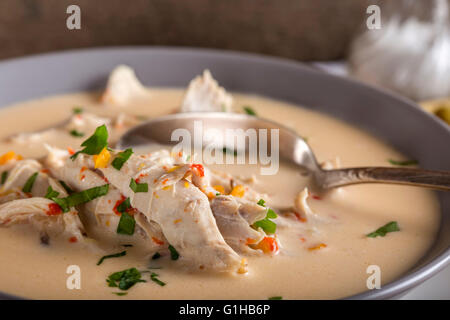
(390, 290)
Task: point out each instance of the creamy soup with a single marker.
(323, 252)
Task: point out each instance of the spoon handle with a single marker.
(439, 180)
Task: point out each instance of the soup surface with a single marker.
(323, 257)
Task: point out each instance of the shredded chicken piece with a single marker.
(123, 85)
(205, 95)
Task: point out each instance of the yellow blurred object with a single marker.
(101, 160)
(219, 189)
(238, 191)
(439, 107)
(10, 155)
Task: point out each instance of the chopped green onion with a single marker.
(382, 231)
(115, 255)
(138, 187)
(125, 279)
(276, 298)
(4, 176)
(126, 224)
(153, 277)
(121, 158)
(76, 133)
(95, 143)
(403, 163)
(51, 193)
(120, 293)
(249, 110)
(174, 255)
(30, 182)
(81, 197)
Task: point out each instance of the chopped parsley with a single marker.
(126, 224)
(66, 187)
(115, 255)
(174, 255)
(153, 277)
(124, 206)
(30, 182)
(249, 110)
(4, 176)
(382, 231)
(77, 110)
(81, 197)
(403, 163)
(76, 133)
(266, 224)
(51, 193)
(276, 298)
(138, 187)
(157, 255)
(95, 143)
(121, 158)
(125, 279)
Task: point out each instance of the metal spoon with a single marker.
(291, 147)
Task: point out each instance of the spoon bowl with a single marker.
(291, 148)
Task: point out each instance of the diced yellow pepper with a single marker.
(10, 155)
(101, 160)
(238, 191)
(219, 189)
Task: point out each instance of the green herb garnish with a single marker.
(115, 255)
(66, 187)
(77, 110)
(125, 279)
(249, 110)
(76, 133)
(138, 187)
(126, 224)
(153, 277)
(382, 231)
(81, 197)
(30, 182)
(157, 255)
(120, 293)
(266, 224)
(95, 143)
(4, 176)
(51, 193)
(124, 206)
(276, 298)
(174, 255)
(403, 163)
(121, 158)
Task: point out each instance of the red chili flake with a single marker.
(73, 239)
(82, 177)
(45, 171)
(165, 181)
(106, 180)
(71, 151)
(157, 241)
(83, 169)
(118, 203)
(316, 197)
(199, 169)
(299, 217)
(53, 209)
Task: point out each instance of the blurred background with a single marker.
(409, 53)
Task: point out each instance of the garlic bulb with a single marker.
(409, 56)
